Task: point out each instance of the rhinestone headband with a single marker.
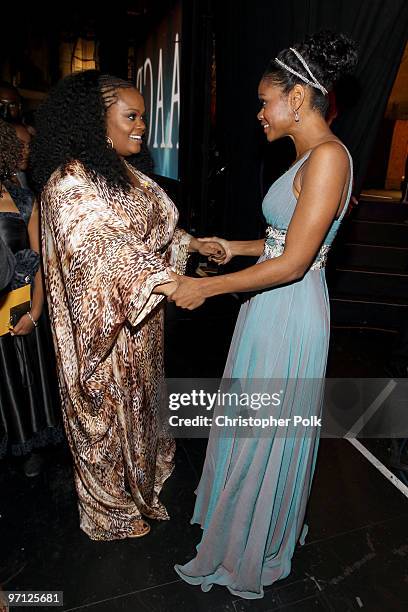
(313, 82)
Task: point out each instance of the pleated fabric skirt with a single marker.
(253, 492)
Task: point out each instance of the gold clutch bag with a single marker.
(13, 305)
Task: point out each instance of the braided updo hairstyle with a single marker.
(329, 56)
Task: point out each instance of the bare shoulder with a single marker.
(330, 152)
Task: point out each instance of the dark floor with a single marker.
(356, 555)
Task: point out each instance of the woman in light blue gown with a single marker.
(252, 496)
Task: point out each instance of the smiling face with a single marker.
(276, 114)
(124, 121)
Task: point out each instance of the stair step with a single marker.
(376, 233)
(388, 258)
(369, 282)
(368, 312)
(368, 271)
(380, 211)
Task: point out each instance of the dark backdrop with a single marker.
(226, 166)
(248, 34)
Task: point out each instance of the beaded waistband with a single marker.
(278, 236)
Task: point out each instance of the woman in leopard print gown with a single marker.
(111, 250)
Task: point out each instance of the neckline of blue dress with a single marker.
(294, 165)
(305, 154)
(302, 158)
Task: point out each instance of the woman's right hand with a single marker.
(189, 293)
(226, 245)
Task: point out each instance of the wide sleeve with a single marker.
(178, 250)
(109, 272)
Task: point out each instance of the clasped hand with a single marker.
(190, 292)
(216, 249)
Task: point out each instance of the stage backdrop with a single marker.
(158, 79)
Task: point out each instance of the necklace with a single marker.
(147, 187)
(144, 184)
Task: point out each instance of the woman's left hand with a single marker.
(23, 327)
(209, 248)
(189, 293)
(221, 252)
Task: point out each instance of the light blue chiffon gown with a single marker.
(252, 496)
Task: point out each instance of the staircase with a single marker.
(368, 268)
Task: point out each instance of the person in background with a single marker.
(24, 137)
(7, 264)
(10, 102)
(28, 120)
(27, 407)
(11, 111)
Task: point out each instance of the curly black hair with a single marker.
(11, 150)
(329, 56)
(71, 125)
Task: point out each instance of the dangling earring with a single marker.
(297, 118)
(109, 141)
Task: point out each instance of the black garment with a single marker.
(29, 417)
(7, 264)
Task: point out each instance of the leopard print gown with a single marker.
(104, 252)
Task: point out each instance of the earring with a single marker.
(297, 118)
(109, 141)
